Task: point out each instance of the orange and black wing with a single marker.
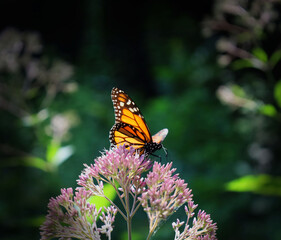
(130, 127)
(125, 134)
(126, 111)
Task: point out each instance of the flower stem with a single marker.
(149, 235)
(152, 228)
(129, 219)
(129, 227)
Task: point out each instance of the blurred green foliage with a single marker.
(262, 184)
(221, 106)
(101, 202)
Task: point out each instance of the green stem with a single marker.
(149, 235)
(135, 209)
(129, 227)
(152, 229)
(129, 219)
(118, 209)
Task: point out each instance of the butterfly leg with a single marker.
(158, 156)
(165, 150)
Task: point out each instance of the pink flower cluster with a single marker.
(116, 165)
(160, 193)
(164, 193)
(202, 227)
(71, 216)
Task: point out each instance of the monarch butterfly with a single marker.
(130, 127)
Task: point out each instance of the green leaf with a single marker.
(62, 154)
(277, 92)
(35, 162)
(260, 54)
(242, 63)
(275, 58)
(268, 110)
(99, 202)
(27, 161)
(52, 150)
(238, 91)
(262, 184)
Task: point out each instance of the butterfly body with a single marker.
(130, 127)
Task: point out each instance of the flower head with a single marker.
(118, 165)
(71, 216)
(164, 193)
(202, 227)
(160, 194)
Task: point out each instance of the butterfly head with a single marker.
(157, 140)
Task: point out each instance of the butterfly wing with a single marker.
(122, 133)
(160, 136)
(130, 127)
(126, 111)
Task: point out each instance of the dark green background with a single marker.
(155, 52)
